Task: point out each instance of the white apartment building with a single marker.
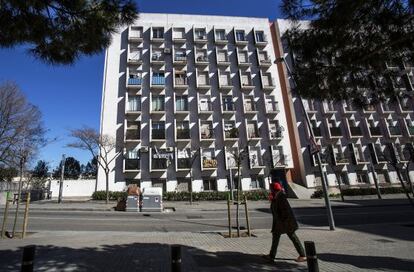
(183, 93)
(355, 144)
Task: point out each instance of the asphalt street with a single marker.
(205, 221)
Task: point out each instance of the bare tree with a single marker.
(21, 127)
(104, 147)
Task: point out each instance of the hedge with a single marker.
(185, 196)
(362, 191)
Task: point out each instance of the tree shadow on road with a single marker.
(369, 262)
(139, 257)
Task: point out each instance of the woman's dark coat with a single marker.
(284, 220)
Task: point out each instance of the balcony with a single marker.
(240, 37)
(134, 59)
(370, 109)
(335, 132)
(206, 134)
(410, 130)
(209, 164)
(243, 58)
(158, 134)
(276, 134)
(159, 164)
(183, 163)
(132, 135)
(231, 134)
(225, 84)
(253, 134)
(267, 83)
(329, 108)
(179, 35)
(134, 82)
(183, 134)
(265, 61)
(180, 58)
(135, 34)
(158, 82)
(260, 39)
(229, 109)
(250, 108)
(272, 108)
(200, 37)
(356, 131)
(205, 108)
(157, 58)
(203, 82)
(317, 132)
(131, 165)
(180, 82)
(246, 82)
(220, 37)
(201, 59)
(222, 59)
(375, 131)
(394, 131)
(341, 159)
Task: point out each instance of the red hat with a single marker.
(277, 186)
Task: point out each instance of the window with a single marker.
(246, 79)
(158, 102)
(230, 130)
(255, 157)
(222, 56)
(278, 157)
(249, 104)
(161, 158)
(181, 103)
(209, 184)
(133, 130)
(240, 36)
(158, 33)
(220, 34)
(134, 103)
(132, 159)
(183, 158)
(179, 33)
(271, 105)
(180, 55)
(243, 57)
(205, 103)
(203, 78)
(206, 130)
(158, 130)
(200, 33)
(209, 158)
(228, 103)
(252, 130)
(260, 36)
(180, 78)
(183, 130)
(344, 179)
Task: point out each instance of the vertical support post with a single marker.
(6, 214)
(228, 213)
(62, 176)
(26, 215)
(28, 257)
(374, 175)
(311, 257)
(175, 258)
(246, 211)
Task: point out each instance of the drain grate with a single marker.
(384, 241)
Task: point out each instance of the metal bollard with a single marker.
(175, 258)
(28, 257)
(311, 257)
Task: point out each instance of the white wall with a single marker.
(74, 188)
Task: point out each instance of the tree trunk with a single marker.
(107, 186)
(96, 182)
(238, 200)
(403, 185)
(409, 179)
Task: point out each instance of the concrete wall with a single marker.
(74, 188)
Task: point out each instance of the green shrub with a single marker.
(213, 196)
(101, 195)
(361, 192)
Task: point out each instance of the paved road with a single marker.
(205, 221)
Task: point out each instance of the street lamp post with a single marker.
(318, 157)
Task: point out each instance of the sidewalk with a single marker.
(341, 250)
(202, 206)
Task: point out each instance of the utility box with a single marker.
(132, 204)
(152, 199)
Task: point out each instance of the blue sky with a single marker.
(70, 96)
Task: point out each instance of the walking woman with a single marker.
(284, 221)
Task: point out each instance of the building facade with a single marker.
(186, 95)
(356, 145)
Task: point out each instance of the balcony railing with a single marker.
(232, 133)
(180, 57)
(209, 163)
(335, 131)
(159, 164)
(206, 107)
(356, 131)
(158, 81)
(183, 163)
(394, 130)
(134, 81)
(183, 134)
(341, 158)
(158, 134)
(132, 164)
(132, 134)
(375, 131)
(229, 107)
(180, 81)
(253, 134)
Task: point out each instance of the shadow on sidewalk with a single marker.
(369, 262)
(139, 257)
